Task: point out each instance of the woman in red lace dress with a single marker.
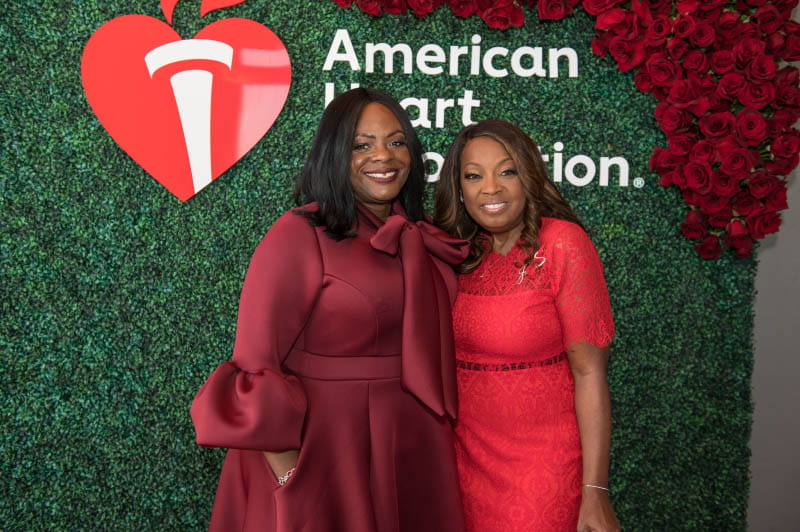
(532, 323)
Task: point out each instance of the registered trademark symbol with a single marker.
(638, 182)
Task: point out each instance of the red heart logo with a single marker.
(185, 110)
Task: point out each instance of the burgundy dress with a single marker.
(327, 360)
(518, 447)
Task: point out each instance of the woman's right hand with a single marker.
(282, 463)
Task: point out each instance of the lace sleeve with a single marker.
(582, 297)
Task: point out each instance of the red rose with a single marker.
(757, 95)
(734, 160)
(717, 104)
(717, 124)
(395, 7)
(698, 177)
(706, 82)
(774, 41)
(709, 248)
(721, 218)
(600, 43)
(669, 177)
(695, 225)
(661, 70)
(746, 49)
(768, 19)
(553, 9)
(791, 49)
(679, 180)
(752, 3)
(463, 8)
(658, 7)
(642, 81)
(658, 30)
(788, 75)
(421, 8)
(711, 5)
(684, 26)
(788, 96)
(703, 35)
(674, 120)
(371, 7)
(611, 19)
(660, 93)
(725, 185)
(751, 127)
(676, 48)
(682, 144)
(728, 25)
(595, 7)
(744, 203)
(627, 54)
(505, 13)
(703, 151)
(776, 201)
(787, 145)
(738, 238)
(761, 68)
(711, 203)
(344, 4)
(761, 184)
(709, 17)
(695, 60)
(781, 165)
(683, 93)
(665, 160)
(730, 85)
(743, 247)
(782, 119)
(761, 225)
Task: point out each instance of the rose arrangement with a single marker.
(726, 101)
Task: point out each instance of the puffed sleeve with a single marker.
(582, 297)
(248, 402)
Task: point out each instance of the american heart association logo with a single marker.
(185, 110)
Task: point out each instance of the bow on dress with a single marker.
(428, 358)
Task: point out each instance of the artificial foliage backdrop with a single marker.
(117, 300)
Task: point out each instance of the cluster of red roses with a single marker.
(725, 105)
(499, 14)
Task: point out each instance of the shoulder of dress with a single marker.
(290, 229)
(557, 229)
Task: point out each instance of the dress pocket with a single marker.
(274, 478)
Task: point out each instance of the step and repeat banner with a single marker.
(145, 153)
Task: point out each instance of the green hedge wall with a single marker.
(118, 300)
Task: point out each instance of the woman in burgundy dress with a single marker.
(533, 326)
(337, 405)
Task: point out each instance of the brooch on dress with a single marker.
(540, 262)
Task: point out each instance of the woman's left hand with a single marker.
(596, 513)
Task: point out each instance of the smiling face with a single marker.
(380, 160)
(492, 190)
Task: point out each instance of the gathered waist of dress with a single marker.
(343, 368)
(510, 366)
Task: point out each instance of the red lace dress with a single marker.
(517, 440)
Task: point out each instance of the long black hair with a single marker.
(325, 177)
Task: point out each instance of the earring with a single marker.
(461, 198)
